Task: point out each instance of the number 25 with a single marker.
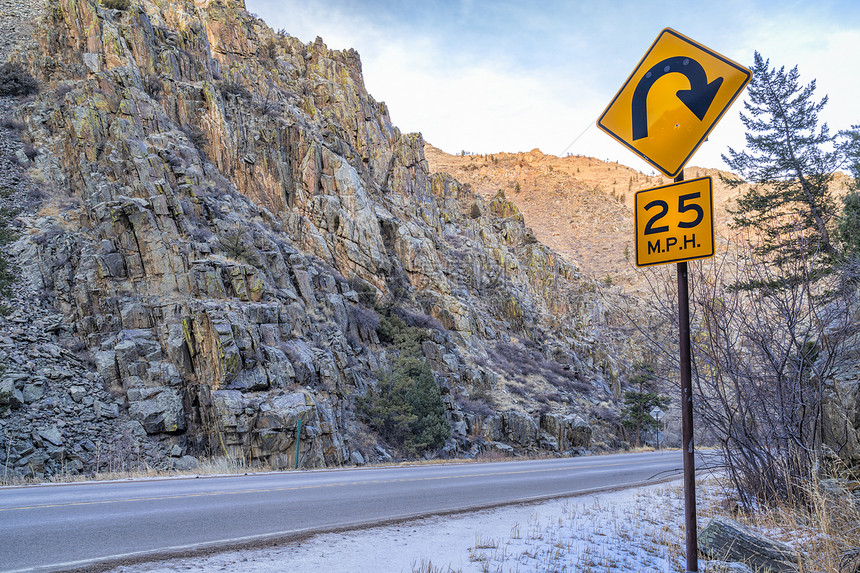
(650, 229)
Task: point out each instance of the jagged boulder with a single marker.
(727, 540)
(159, 410)
(564, 432)
(520, 428)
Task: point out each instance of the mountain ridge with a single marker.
(226, 218)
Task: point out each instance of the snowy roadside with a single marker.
(637, 530)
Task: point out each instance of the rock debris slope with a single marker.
(227, 217)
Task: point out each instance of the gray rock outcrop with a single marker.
(727, 540)
(227, 214)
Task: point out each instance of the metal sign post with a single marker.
(663, 112)
(657, 414)
(688, 451)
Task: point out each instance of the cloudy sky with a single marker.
(507, 75)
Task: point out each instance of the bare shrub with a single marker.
(492, 455)
(30, 151)
(37, 194)
(520, 361)
(235, 90)
(64, 89)
(475, 406)
(153, 86)
(121, 5)
(366, 291)
(201, 234)
(365, 320)
(16, 81)
(605, 413)
(196, 136)
(418, 319)
(173, 160)
(762, 365)
(13, 124)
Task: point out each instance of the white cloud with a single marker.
(483, 103)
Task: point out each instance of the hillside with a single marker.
(222, 235)
(581, 207)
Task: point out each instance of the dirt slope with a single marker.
(580, 206)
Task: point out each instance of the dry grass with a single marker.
(826, 534)
(428, 567)
(591, 536)
(213, 466)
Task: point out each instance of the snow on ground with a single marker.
(637, 530)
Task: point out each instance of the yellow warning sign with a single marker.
(674, 223)
(672, 101)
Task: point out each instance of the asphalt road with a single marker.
(60, 527)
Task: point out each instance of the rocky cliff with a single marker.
(224, 217)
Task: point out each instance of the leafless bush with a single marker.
(606, 414)
(232, 89)
(16, 81)
(196, 136)
(762, 362)
(519, 390)
(475, 406)
(518, 362)
(30, 151)
(13, 124)
(37, 194)
(201, 234)
(48, 236)
(365, 321)
(153, 86)
(64, 89)
(366, 291)
(418, 319)
(173, 160)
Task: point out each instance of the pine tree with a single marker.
(406, 408)
(639, 403)
(789, 165)
(849, 222)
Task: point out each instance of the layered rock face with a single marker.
(228, 214)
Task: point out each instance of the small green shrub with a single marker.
(239, 246)
(16, 81)
(407, 410)
(394, 330)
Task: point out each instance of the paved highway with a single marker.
(60, 527)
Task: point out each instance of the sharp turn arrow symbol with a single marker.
(697, 99)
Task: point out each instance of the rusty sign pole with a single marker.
(687, 412)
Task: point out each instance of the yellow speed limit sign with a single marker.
(675, 223)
